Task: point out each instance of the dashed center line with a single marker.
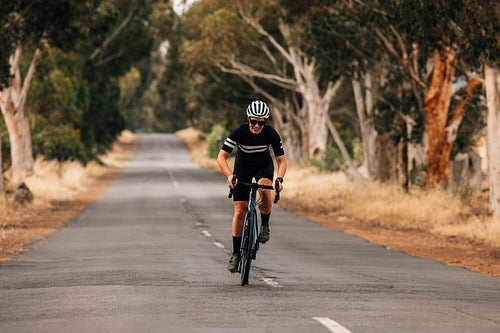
(209, 235)
(332, 325)
(259, 276)
(206, 233)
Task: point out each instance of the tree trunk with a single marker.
(13, 105)
(350, 170)
(17, 122)
(288, 123)
(492, 79)
(437, 104)
(291, 134)
(316, 125)
(1, 169)
(367, 126)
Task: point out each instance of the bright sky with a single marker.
(182, 5)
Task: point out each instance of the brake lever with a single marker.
(276, 189)
(231, 190)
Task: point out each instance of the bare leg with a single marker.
(240, 210)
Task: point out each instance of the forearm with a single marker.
(282, 165)
(222, 162)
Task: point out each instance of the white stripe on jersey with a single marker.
(253, 149)
(230, 143)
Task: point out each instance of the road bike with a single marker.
(249, 242)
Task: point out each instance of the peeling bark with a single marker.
(437, 104)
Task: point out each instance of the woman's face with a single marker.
(256, 124)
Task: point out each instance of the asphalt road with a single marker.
(151, 255)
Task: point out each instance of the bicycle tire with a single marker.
(246, 253)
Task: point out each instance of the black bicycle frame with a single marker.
(249, 243)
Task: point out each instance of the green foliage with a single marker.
(86, 91)
(61, 142)
(329, 160)
(56, 101)
(215, 139)
(5, 146)
(472, 124)
(6, 40)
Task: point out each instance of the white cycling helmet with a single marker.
(258, 109)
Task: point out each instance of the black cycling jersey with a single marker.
(253, 149)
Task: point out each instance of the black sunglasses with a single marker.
(255, 122)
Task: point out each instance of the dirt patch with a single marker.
(32, 222)
(456, 251)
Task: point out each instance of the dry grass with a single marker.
(433, 211)
(53, 183)
(382, 205)
(197, 147)
(192, 138)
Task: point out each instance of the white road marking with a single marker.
(261, 277)
(207, 234)
(219, 245)
(176, 184)
(270, 282)
(332, 325)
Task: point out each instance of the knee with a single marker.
(265, 204)
(240, 211)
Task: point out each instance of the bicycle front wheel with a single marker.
(246, 250)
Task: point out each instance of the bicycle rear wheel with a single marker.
(246, 249)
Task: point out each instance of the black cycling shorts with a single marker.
(246, 173)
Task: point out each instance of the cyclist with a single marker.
(253, 159)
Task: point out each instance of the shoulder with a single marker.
(270, 131)
(238, 130)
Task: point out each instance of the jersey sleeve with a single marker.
(232, 140)
(276, 143)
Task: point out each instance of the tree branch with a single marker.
(389, 47)
(331, 91)
(113, 35)
(254, 23)
(244, 70)
(108, 59)
(29, 76)
(406, 60)
(385, 43)
(462, 67)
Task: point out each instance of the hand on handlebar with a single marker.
(232, 181)
(278, 187)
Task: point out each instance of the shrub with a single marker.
(329, 160)
(59, 142)
(215, 139)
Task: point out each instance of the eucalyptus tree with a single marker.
(103, 39)
(419, 39)
(253, 41)
(120, 34)
(479, 30)
(28, 26)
